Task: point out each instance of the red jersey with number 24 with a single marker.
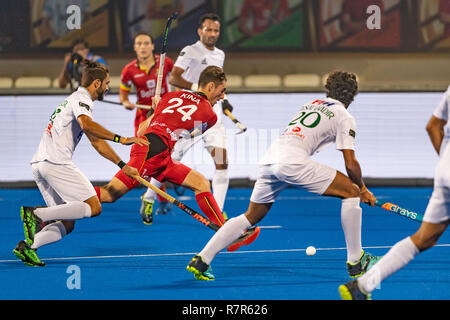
(180, 113)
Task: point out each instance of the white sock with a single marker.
(68, 211)
(220, 183)
(150, 195)
(351, 217)
(230, 231)
(49, 234)
(396, 258)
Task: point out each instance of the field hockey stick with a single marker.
(140, 106)
(162, 56)
(400, 211)
(179, 204)
(246, 238)
(238, 124)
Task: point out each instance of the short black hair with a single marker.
(208, 16)
(142, 33)
(342, 86)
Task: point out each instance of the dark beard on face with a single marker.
(100, 94)
(209, 42)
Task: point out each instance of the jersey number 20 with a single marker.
(309, 120)
(186, 111)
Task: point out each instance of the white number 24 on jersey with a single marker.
(186, 111)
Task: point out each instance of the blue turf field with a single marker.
(121, 258)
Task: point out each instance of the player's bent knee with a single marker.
(201, 183)
(204, 185)
(112, 193)
(350, 192)
(196, 182)
(96, 209)
(95, 205)
(342, 187)
(105, 196)
(353, 191)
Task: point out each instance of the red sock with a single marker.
(161, 199)
(209, 207)
(97, 189)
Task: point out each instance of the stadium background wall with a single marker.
(392, 144)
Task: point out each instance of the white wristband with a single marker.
(194, 87)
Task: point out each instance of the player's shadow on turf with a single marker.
(230, 283)
(253, 275)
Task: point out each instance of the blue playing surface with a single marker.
(121, 258)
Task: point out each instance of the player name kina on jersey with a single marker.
(179, 113)
(317, 125)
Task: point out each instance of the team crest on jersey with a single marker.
(84, 105)
(352, 133)
(182, 53)
(204, 61)
(151, 83)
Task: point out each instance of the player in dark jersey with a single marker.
(177, 113)
(142, 72)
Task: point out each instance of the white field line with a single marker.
(193, 253)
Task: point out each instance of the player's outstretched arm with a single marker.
(353, 168)
(354, 173)
(105, 150)
(95, 130)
